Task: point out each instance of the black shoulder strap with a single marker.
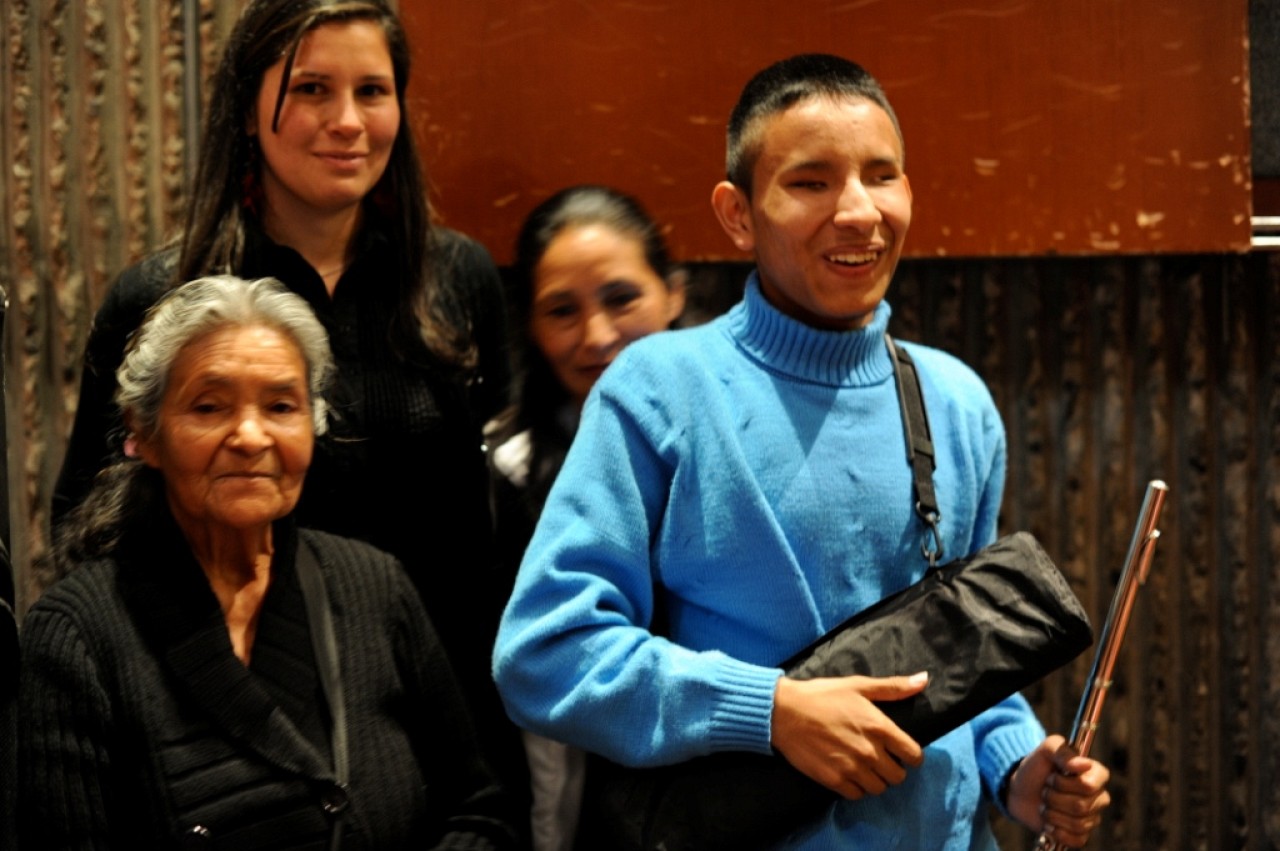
(920, 455)
(324, 643)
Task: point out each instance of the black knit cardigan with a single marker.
(139, 727)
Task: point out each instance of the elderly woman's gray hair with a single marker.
(128, 488)
(204, 305)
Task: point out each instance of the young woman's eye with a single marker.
(306, 87)
(373, 90)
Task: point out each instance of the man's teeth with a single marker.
(853, 259)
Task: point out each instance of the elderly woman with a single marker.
(208, 674)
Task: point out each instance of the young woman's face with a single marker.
(337, 125)
(593, 293)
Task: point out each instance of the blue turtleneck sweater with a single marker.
(755, 470)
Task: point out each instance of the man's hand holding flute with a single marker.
(1059, 793)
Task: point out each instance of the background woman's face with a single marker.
(593, 293)
(234, 435)
(337, 125)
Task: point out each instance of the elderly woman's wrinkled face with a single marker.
(234, 435)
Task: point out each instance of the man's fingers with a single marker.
(892, 688)
(831, 730)
(861, 779)
(1073, 832)
(1073, 805)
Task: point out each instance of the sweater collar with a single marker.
(838, 358)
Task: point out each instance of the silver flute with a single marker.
(1136, 566)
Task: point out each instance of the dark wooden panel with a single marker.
(1083, 126)
(1109, 373)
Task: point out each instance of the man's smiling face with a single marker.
(829, 210)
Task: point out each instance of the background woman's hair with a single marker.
(127, 488)
(540, 397)
(227, 181)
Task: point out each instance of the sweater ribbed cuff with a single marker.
(1001, 750)
(742, 717)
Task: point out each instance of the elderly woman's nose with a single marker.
(250, 431)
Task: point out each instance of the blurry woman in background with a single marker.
(591, 275)
(308, 173)
(209, 675)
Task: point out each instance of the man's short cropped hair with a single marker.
(781, 86)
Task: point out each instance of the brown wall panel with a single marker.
(1082, 126)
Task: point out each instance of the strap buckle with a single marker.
(931, 520)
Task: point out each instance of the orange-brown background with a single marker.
(1081, 126)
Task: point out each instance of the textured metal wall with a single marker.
(95, 145)
(1108, 372)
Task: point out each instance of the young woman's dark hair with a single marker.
(540, 398)
(228, 177)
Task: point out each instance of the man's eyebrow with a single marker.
(873, 164)
(880, 162)
(810, 165)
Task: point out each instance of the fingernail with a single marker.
(918, 679)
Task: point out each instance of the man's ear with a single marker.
(733, 209)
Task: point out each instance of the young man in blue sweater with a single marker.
(752, 473)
